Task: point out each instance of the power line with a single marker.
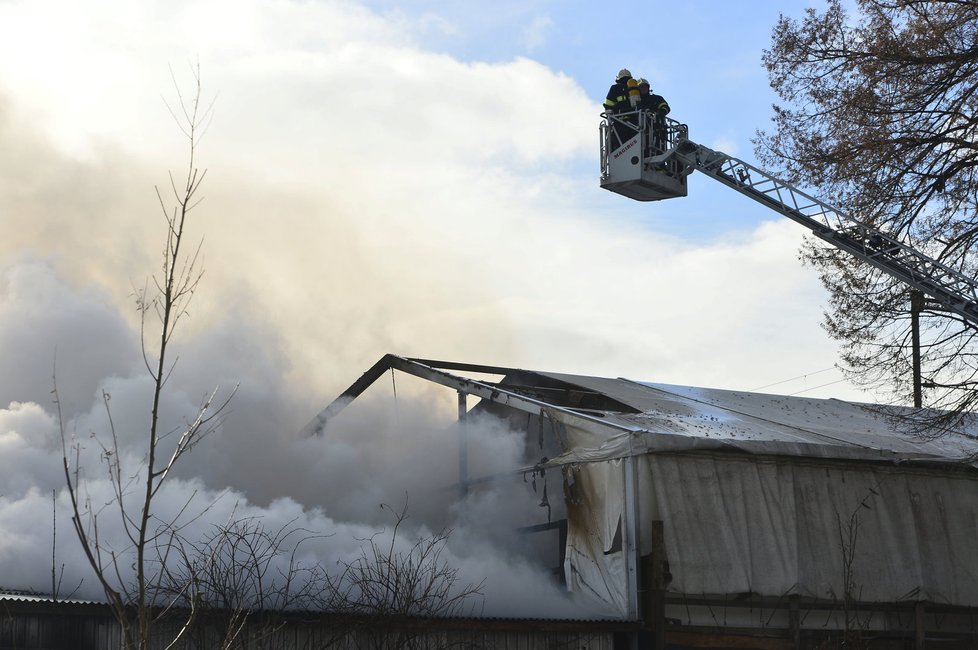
(805, 376)
(816, 387)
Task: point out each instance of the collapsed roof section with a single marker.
(735, 492)
(629, 418)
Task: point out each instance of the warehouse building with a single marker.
(709, 515)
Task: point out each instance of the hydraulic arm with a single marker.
(955, 291)
(647, 162)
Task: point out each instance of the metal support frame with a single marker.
(630, 539)
(463, 446)
(429, 370)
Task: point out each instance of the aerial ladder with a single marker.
(649, 161)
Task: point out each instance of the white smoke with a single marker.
(255, 465)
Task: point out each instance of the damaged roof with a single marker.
(630, 417)
(778, 424)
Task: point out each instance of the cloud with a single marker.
(535, 32)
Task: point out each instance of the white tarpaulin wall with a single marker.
(774, 526)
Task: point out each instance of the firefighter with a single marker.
(617, 99)
(659, 108)
(617, 102)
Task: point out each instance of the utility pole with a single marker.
(916, 306)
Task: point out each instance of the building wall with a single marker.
(64, 626)
(737, 525)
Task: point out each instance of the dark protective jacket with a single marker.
(617, 99)
(655, 103)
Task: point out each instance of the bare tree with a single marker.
(249, 587)
(848, 531)
(385, 587)
(880, 113)
(124, 567)
(243, 579)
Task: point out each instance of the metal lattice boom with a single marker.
(954, 291)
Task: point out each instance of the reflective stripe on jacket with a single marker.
(617, 99)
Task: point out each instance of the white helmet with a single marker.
(624, 72)
(644, 82)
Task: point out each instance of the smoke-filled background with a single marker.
(411, 177)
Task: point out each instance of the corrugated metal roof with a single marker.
(23, 596)
(685, 417)
(488, 622)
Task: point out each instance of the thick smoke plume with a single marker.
(256, 465)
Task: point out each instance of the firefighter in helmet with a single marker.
(658, 109)
(618, 101)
